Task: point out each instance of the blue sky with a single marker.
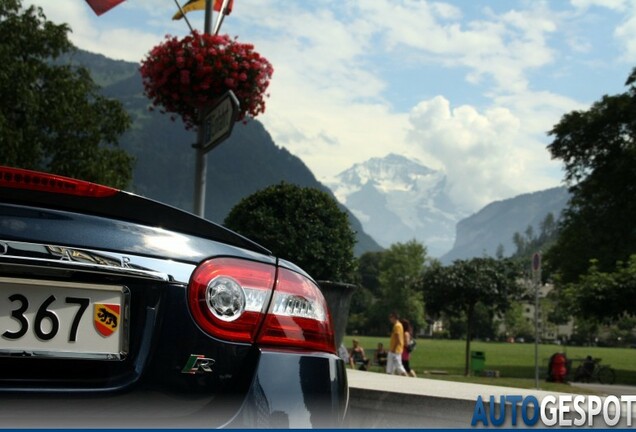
(468, 87)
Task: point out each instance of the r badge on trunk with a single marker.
(198, 364)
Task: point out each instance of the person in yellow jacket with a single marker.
(396, 346)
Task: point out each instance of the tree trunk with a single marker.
(469, 327)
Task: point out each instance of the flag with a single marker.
(200, 5)
(101, 6)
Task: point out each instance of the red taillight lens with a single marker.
(227, 297)
(18, 178)
(298, 315)
(232, 299)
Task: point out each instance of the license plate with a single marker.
(63, 319)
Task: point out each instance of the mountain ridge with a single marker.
(474, 234)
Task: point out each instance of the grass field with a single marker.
(515, 362)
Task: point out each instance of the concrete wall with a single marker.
(371, 409)
(379, 400)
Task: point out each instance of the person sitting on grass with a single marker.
(357, 357)
(380, 355)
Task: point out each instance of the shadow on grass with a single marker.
(521, 383)
(624, 377)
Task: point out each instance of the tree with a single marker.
(401, 268)
(459, 288)
(52, 115)
(528, 243)
(500, 252)
(369, 271)
(520, 243)
(598, 149)
(548, 228)
(484, 324)
(516, 323)
(361, 318)
(604, 295)
(388, 282)
(303, 225)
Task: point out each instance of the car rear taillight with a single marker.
(228, 297)
(298, 315)
(17, 178)
(245, 301)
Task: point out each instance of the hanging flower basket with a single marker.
(185, 76)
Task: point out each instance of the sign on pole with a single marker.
(220, 120)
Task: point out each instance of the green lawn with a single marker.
(515, 362)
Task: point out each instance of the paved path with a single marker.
(430, 387)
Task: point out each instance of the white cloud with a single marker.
(446, 11)
(626, 33)
(104, 35)
(123, 44)
(73, 12)
(539, 110)
(617, 5)
(492, 154)
(503, 47)
(477, 149)
(146, 24)
(330, 101)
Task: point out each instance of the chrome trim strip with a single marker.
(125, 314)
(95, 261)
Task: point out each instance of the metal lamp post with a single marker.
(222, 116)
(536, 276)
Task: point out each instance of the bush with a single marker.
(303, 225)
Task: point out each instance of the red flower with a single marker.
(186, 76)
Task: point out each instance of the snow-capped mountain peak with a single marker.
(398, 199)
(391, 173)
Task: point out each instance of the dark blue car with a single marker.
(118, 311)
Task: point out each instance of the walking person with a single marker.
(396, 346)
(406, 353)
